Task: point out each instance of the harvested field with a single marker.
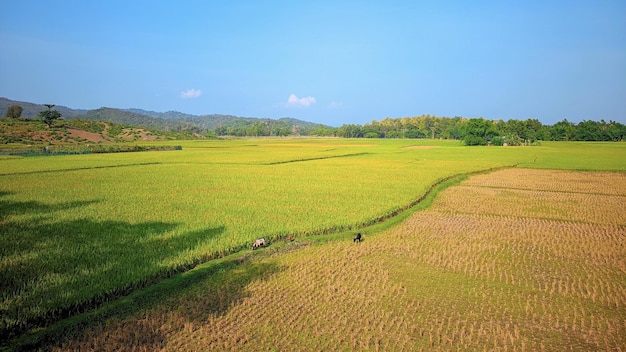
(515, 260)
(599, 198)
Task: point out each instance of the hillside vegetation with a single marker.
(173, 121)
(20, 136)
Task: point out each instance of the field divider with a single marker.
(551, 191)
(402, 209)
(387, 216)
(316, 158)
(81, 168)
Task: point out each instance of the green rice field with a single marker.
(78, 231)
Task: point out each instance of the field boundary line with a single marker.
(316, 158)
(550, 191)
(81, 168)
(541, 218)
(431, 189)
(391, 214)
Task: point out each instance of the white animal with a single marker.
(258, 243)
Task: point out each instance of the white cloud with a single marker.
(295, 101)
(191, 93)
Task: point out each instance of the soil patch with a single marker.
(90, 136)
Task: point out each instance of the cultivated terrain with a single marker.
(517, 260)
(152, 250)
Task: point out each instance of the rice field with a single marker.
(481, 269)
(82, 231)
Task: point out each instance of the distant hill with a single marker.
(31, 110)
(163, 121)
(168, 115)
(213, 121)
(123, 117)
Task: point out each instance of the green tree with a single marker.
(221, 131)
(454, 129)
(532, 128)
(615, 131)
(413, 132)
(394, 134)
(513, 139)
(478, 131)
(14, 111)
(431, 124)
(350, 131)
(322, 131)
(562, 131)
(588, 131)
(49, 115)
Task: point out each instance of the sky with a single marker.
(331, 62)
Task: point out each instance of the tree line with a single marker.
(480, 131)
(472, 131)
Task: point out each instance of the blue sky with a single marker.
(332, 62)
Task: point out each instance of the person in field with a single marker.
(358, 237)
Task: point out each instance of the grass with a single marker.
(83, 230)
(455, 276)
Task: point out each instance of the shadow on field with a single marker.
(209, 290)
(8, 208)
(51, 270)
(220, 289)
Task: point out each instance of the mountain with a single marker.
(205, 121)
(215, 120)
(163, 121)
(168, 115)
(123, 117)
(31, 110)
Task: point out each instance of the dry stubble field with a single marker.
(515, 260)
